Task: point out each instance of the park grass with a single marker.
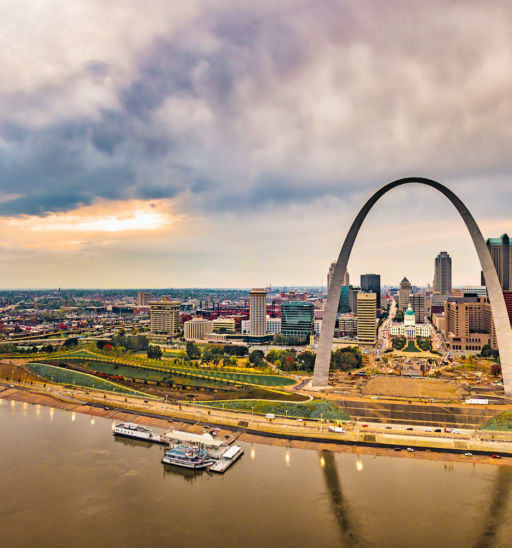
(213, 374)
(500, 423)
(68, 376)
(315, 409)
(411, 347)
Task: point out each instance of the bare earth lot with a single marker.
(413, 388)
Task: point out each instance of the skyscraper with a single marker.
(417, 301)
(403, 294)
(297, 319)
(371, 284)
(366, 318)
(344, 303)
(258, 312)
(499, 249)
(165, 317)
(443, 274)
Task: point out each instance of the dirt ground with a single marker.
(414, 388)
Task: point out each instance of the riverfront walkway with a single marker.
(371, 435)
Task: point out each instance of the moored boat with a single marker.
(132, 430)
(187, 456)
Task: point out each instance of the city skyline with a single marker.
(143, 158)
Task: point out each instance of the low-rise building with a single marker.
(273, 326)
(223, 325)
(197, 329)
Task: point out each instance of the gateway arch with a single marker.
(495, 294)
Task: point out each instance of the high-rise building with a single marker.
(197, 328)
(165, 317)
(508, 302)
(469, 324)
(443, 274)
(330, 274)
(403, 294)
(344, 303)
(352, 299)
(258, 312)
(417, 302)
(499, 249)
(297, 319)
(366, 318)
(143, 298)
(370, 283)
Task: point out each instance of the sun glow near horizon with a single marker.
(73, 228)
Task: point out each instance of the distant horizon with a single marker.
(246, 288)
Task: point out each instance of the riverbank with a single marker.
(250, 435)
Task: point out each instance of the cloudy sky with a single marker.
(231, 143)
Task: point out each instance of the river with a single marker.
(66, 481)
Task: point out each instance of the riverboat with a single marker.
(131, 430)
(188, 456)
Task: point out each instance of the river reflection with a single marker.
(67, 481)
(340, 507)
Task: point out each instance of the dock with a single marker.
(229, 457)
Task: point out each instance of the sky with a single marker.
(231, 143)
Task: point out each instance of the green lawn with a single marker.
(187, 371)
(67, 376)
(315, 409)
(502, 422)
(411, 347)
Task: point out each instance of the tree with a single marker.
(69, 343)
(193, 351)
(236, 350)
(495, 369)
(486, 351)
(207, 355)
(399, 343)
(306, 360)
(256, 358)
(399, 316)
(347, 358)
(233, 361)
(154, 352)
(289, 363)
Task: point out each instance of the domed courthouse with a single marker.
(409, 328)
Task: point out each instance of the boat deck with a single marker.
(227, 459)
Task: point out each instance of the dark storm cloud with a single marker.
(248, 106)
